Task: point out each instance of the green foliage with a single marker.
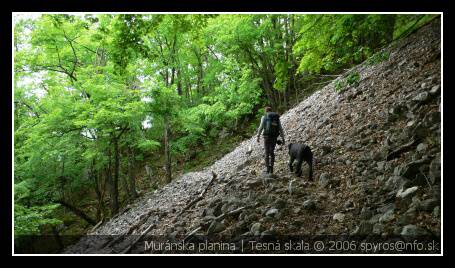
(406, 24)
(378, 58)
(340, 84)
(30, 220)
(352, 79)
(330, 42)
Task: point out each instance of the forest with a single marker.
(110, 106)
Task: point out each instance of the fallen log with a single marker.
(96, 226)
(200, 196)
(78, 212)
(128, 249)
(190, 234)
(232, 212)
(402, 149)
(220, 217)
(140, 222)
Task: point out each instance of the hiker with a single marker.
(271, 125)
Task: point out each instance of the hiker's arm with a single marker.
(261, 127)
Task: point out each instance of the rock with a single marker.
(350, 146)
(324, 179)
(381, 165)
(213, 209)
(409, 170)
(419, 180)
(366, 213)
(309, 204)
(256, 228)
(364, 228)
(216, 227)
(253, 183)
(214, 202)
(435, 170)
(267, 235)
(406, 218)
(424, 86)
(415, 203)
(378, 155)
(412, 230)
(272, 213)
(420, 131)
(432, 119)
(338, 217)
(375, 218)
(348, 204)
(172, 235)
(239, 227)
(269, 176)
(435, 90)
(394, 183)
(280, 203)
(291, 186)
(421, 97)
(397, 110)
(422, 147)
(386, 207)
(407, 193)
(326, 149)
(378, 229)
(396, 230)
(428, 205)
(388, 216)
(436, 212)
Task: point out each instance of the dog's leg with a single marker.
(291, 161)
(298, 170)
(310, 163)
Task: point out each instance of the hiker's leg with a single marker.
(267, 152)
(272, 152)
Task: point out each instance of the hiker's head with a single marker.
(268, 109)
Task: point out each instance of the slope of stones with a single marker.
(377, 165)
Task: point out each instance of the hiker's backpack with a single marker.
(272, 124)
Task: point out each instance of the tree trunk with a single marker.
(77, 212)
(167, 153)
(58, 239)
(172, 75)
(99, 196)
(179, 83)
(113, 187)
(390, 26)
(124, 180)
(116, 173)
(132, 174)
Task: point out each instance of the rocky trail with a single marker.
(377, 165)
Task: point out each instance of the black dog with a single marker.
(300, 152)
